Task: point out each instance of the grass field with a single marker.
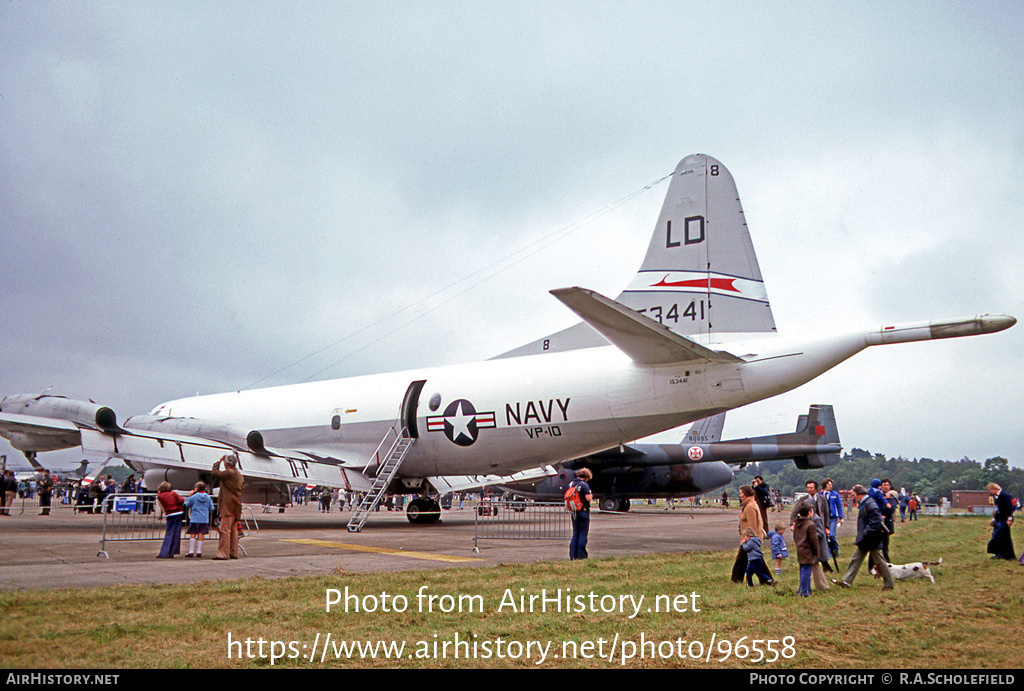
(968, 619)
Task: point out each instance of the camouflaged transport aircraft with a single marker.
(699, 464)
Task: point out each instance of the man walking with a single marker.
(869, 540)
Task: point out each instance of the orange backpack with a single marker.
(573, 500)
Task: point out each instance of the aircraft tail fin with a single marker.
(705, 431)
(820, 424)
(700, 276)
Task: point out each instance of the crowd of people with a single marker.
(86, 496)
(814, 522)
(328, 499)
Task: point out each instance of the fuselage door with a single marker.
(410, 404)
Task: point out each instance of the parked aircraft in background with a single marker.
(691, 336)
(79, 473)
(697, 465)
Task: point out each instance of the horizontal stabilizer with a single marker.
(644, 340)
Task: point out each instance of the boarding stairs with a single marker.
(386, 472)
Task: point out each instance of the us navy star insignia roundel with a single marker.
(460, 422)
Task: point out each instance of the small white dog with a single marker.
(917, 569)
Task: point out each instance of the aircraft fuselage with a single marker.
(501, 416)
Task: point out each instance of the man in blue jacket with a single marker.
(869, 540)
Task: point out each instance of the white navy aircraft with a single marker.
(692, 335)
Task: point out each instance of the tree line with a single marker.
(931, 479)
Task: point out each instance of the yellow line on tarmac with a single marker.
(383, 550)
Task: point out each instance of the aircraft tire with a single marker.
(613, 504)
(423, 511)
(414, 511)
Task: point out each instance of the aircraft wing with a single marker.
(195, 453)
(644, 340)
(462, 483)
(47, 434)
(179, 451)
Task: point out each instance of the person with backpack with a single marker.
(577, 500)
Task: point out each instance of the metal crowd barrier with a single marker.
(136, 517)
(60, 499)
(520, 520)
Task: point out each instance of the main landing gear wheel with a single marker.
(423, 511)
(614, 504)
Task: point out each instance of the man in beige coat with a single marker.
(229, 505)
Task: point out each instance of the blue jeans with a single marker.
(805, 580)
(580, 533)
(757, 567)
(172, 538)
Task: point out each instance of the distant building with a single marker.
(966, 498)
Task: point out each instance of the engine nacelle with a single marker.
(232, 435)
(179, 478)
(254, 491)
(35, 438)
(84, 413)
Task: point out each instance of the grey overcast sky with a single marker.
(199, 196)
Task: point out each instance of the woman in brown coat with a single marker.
(750, 517)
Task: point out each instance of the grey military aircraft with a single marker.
(692, 335)
(697, 465)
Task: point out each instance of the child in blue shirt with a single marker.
(200, 508)
(777, 540)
